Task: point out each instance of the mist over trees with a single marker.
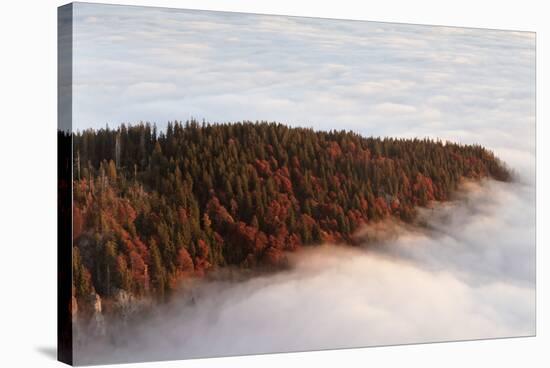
(151, 209)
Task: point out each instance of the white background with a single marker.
(28, 181)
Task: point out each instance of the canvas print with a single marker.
(236, 183)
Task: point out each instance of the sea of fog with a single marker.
(468, 273)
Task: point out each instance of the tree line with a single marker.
(153, 208)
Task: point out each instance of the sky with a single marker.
(470, 275)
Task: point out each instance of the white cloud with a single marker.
(394, 108)
(145, 89)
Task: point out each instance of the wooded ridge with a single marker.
(151, 209)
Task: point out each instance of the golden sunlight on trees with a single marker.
(151, 210)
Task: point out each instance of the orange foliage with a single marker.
(78, 222)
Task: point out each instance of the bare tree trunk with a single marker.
(78, 164)
(117, 150)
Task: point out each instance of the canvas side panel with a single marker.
(64, 183)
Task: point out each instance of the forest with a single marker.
(151, 208)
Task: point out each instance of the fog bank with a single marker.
(468, 275)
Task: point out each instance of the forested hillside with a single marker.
(151, 209)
